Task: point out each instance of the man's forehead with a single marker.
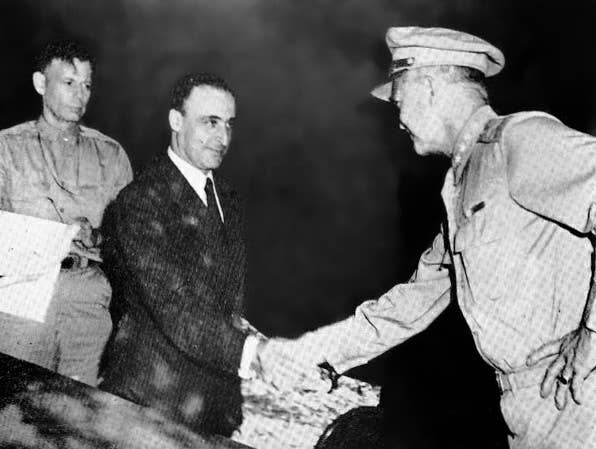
(209, 100)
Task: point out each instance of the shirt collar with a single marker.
(52, 133)
(195, 177)
(468, 137)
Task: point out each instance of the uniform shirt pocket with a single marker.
(30, 197)
(480, 242)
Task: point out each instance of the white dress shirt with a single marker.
(196, 178)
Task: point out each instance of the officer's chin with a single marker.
(421, 148)
(428, 148)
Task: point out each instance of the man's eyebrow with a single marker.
(73, 76)
(216, 117)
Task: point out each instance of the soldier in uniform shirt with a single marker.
(515, 246)
(57, 169)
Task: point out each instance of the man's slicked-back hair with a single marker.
(184, 86)
(64, 50)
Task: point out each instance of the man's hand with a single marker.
(87, 236)
(78, 249)
(288, 363)
(574, 362)
(85, 243)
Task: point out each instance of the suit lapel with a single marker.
(190, 206)
(179, 190)
(188, 213)
(228, 205)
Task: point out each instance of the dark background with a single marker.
(339, 206)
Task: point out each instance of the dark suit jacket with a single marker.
(178, 278)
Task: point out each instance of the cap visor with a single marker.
(382, 92)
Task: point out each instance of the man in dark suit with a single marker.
(177, 262)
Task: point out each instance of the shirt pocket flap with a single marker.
(481, 244)
(481, 228)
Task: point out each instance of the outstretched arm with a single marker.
(375, 327)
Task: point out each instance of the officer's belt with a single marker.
(522, 379)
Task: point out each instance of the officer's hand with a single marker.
(87, 236)
(78, 249)
(287, 364)
(574, 362)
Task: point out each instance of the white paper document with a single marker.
(31, 250)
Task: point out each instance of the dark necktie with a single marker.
(212, 210)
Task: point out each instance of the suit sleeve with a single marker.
(552, 171)
(240, 297)
(379, 325)
(167, 283)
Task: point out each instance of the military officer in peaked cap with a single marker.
(520, 198)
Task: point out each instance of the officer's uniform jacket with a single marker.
(520, 200)
(57, 175)
(62, 175)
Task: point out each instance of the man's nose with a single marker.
(82, 93)
(224, 134)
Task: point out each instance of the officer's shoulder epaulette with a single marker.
(95, 134)
(20, 129)
(495, 128)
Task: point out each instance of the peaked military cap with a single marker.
(413, 47)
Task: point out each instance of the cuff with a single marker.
(249, 352)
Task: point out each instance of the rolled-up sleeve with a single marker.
(378, 325)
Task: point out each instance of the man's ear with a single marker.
(175, 119)
(39, 83)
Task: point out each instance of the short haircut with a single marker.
(469, 77)
(184, 86)
(63, 50)
(463, 75)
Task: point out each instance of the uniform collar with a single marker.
(52, 133)
(468, 137)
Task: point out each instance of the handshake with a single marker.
(287, 364)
